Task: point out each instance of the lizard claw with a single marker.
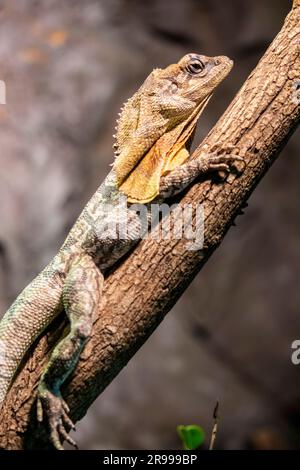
(222, 162)
(55, 410)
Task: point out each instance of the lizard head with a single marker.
(158, 122)
(195, 77)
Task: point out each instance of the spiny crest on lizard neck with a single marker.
(128, 119)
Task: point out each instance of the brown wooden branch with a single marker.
(147, 284)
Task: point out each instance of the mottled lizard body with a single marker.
(152, 162)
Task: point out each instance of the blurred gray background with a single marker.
(68, 66)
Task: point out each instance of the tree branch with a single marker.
(147, 284)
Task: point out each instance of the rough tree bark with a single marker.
(144, 287)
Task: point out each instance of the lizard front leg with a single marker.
(182, 176)
(81, 296)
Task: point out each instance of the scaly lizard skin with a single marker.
(154, 132)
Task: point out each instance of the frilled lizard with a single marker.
(154, 132)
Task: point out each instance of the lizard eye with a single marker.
(195, 67)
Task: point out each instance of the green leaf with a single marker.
(192, 436)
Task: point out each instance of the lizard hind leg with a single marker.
(81, 297)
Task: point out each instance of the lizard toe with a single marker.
(67, 421)
(39, 410)
(55, 438)
(66, 436)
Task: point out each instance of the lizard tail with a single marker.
(26, 319)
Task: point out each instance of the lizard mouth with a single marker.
(169, 151)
